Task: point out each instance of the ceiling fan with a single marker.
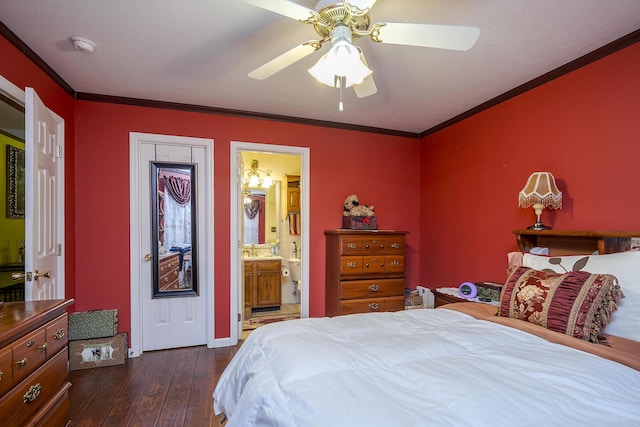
(341, 22)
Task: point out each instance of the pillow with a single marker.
(624, 265)
(578, 304)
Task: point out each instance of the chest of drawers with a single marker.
(34, 358)
(365, 271)
(169, 272)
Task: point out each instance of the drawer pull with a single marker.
(32, 394)
(352, 264)
(374, 288)
(30, 343)
(352, 245)
(395, 263)
(59, 334)
(43, 346)
(374, 306)
(22, 362)
(395, 245)
(1, 375)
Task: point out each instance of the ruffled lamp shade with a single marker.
(540, 191)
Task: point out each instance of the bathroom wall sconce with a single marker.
(252, 176)
(540, 191)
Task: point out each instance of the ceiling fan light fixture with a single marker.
(342, 60)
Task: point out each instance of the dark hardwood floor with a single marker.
(159, 388)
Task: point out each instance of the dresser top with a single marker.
(364, 232)
(18, 318)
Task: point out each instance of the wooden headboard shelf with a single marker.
(566, 242)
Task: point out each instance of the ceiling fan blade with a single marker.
(455, 37)
(280, 62)
(362, 4)
(368, 86)
(284, 7)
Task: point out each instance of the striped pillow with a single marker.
(577, 303)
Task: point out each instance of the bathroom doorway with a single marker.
(269, 234)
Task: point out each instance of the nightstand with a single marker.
(442, 298)
(450, 295)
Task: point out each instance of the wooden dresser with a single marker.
(169, 271)
(34, 374)
(365, 271)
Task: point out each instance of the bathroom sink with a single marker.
(261, 257)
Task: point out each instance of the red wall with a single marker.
(382, 170)
(583, 127)
(20, 71)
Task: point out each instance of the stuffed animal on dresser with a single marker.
(352, 207)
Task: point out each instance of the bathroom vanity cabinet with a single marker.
(365, 271)
(262, 286)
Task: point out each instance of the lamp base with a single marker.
(538, 226)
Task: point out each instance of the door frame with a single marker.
(137, 247)
(235, 250)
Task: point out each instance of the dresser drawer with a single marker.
(351, 245)
(57, 334)
(358, 265)
(371, 305)
(34, 392)
(371, 288)
(6, 370)
(394, 264)
(56, 413)
(351, 265)
(28, 353)
(395, 245)
(169, 280)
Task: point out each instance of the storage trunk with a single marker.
(98, 352)
(93, 324)
(359, 222)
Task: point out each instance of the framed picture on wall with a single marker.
(15, 182)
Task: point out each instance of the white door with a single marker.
(44, 201)
(170, 322)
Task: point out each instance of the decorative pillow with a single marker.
(578, 304)
(624, 265)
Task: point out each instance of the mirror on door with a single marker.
(173, 229)
(12, 202)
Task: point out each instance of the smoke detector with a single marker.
(82, 44)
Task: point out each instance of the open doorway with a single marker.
(264, 254)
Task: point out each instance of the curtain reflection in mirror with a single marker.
(254, 221)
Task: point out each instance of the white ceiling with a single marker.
(199, 52)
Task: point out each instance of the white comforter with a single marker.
(419, 368)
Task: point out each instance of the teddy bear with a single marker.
(352, 207)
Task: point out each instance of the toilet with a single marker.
(294, 269)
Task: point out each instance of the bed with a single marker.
(458, 365)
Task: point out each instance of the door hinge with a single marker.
(59, 249)
(29, 276)
(239, 317)
(59, 151)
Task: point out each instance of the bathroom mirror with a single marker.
(173, 229)
(261, 208)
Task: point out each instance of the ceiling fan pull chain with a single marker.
(340, 84)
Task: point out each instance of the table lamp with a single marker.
(540, 191)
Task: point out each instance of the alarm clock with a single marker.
(468, 290)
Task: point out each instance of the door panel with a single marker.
(175, 321)
(44, 201)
